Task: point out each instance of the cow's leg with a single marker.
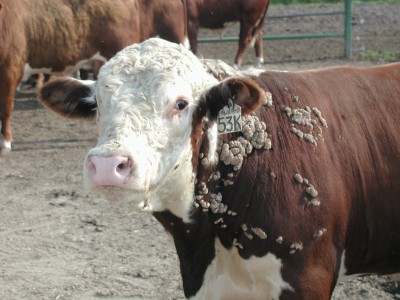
(310, 284)
(97, 64)
(171, 26)
(40, 80)
(314, 276)
(244, 41)
(8, 85)
(192, 35)
(258, 47)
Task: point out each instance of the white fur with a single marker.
(231, 277)
(252, 71)
(186, 43)
(343, 270)
(136, 95)
(212, 134)
(5, 146)
(259, 61)
(28, 70)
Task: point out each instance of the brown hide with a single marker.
(55, 34)
(353, 166)
(337, 128)
(213, 14)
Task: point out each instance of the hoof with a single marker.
(5, 147)
(258, 63)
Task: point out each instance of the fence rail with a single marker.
(346, 34)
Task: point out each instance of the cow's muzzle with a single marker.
(108, 171)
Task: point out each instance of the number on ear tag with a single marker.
(230, 118)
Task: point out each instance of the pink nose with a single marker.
(108, 171)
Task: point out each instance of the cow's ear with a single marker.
(69, 97)
(241, 90)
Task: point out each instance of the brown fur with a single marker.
(58, 33)
(213, 14)
(354, 166)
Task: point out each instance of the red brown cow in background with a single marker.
(216, 14)
(61, 35)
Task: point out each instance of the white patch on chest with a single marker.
(231, 277)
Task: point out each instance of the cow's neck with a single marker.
(211, 217)
(195, 239)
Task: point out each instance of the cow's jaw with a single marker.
(156, 182)
(176, 192)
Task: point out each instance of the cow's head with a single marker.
(150, 101)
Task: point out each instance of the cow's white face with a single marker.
(145, 99)
(151, 100)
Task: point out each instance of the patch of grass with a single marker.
(377, 56)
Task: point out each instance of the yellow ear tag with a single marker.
(229, 118)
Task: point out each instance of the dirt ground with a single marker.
(58, 241)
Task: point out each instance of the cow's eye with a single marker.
(181, 104)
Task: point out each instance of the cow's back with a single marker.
(63, 32)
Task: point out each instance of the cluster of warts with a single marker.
(309, 189)
(254, 136)
(268, 99)
(202, 191)
(253, 231)
(233, 152)
(320, 232)
(303, 117)
(255, 132)
(296, 247)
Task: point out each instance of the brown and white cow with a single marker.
(308, 190)
(217, 14)
(61, 35)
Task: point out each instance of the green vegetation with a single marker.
(287, 2)
(378, 56)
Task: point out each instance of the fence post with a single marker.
(347, 29)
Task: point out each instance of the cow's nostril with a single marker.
(123, 166)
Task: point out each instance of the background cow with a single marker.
(217, 14)
(61, 35)
(306, 191)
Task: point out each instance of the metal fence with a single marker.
(346, 34)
